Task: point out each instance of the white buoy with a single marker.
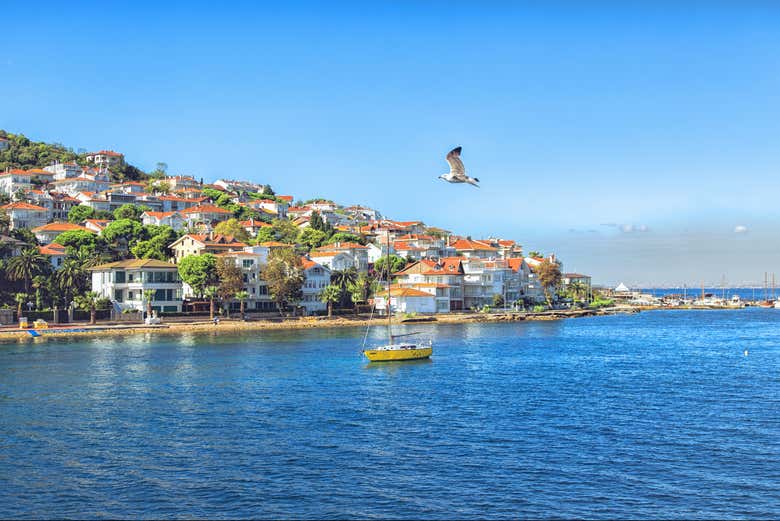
(746, 352)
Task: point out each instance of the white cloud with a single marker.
(740, 229)
(632, 228)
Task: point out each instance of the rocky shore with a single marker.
(237, 325)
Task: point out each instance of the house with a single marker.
(333, 260)
(357, 253)
(124, 283)
(172, 219)
(362, 213)
(206, 213)
(10, 247)
(83, 183)
(11, 181)
(181, 182)
(196, 244)
(175, 203)
(48, 232)
(442, 278)
(240, 186)
(61, 171)
(275, 208)
(5, 143)
(317, 279)
(96, 225)
(584, 281)
(406, 300)
(252, 226)
(535, 291)
(477, 249)
(55, 252)
(25, 215)
(106, 158)
(251, 265)
(130, 187)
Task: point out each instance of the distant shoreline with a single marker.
(234, 326)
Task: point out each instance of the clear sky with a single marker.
(639, 142)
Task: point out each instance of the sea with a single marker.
(659, 414)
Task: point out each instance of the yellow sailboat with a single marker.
(396, 352)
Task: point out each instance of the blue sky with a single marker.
(633, 140)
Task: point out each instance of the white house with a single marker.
(63, 170)
(124, 283)
(317, 279)
(240, 186)
(172, 219)
(48, 232)
(11, 181)
(251, 265)
(406, 300)
(55, 252)
(333, 260)
(25, 215)
(105, 158)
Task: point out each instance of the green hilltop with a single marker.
(25, 154)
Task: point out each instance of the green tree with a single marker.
(198, 271)
(130, 211)
(285, 231)
(80, 213)
(89, 301)
(285, 276)
(5, 220)
(331, 295)
(78, 239)
(148, 298)
(233, 228)
(123, 233)
(397, 263)
(231, 280)
(361, 289)
(28, 264)
(312, 238)
(242, 297)
(211, 293)
(346, 237)
(549, 275)
(70, 278)
(498, 300)
(342, 279)
(156, 246)
(265, 235)
(20, 299)
(535, 254)
(578, 290)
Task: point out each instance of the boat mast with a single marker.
(389, 315)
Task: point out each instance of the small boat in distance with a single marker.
(395, 352)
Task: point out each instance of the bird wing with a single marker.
(457, 169)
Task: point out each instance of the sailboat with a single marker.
(392, 351)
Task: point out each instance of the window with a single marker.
(118, 295)
(119, 277)
(248, 263)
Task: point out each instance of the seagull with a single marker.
(457, 173)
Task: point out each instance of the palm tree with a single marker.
(211, 292)
(29, 263)
(242, 297)
(39, 282)
(578, 289)
(71, 277)
(19, 298)
(330, 295)
(89, 301)
(343, 279)
(148, 297)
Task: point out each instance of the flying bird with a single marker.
(457, 173)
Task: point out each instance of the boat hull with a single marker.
(398, 355)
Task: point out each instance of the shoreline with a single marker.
(9, 334)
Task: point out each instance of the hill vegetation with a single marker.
(25, 154)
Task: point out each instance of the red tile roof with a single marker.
(206, 208)
(23, 206)
(60, 227)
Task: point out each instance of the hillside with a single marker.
(25, 154)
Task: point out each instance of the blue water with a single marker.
(746, 294)
(654, 415)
